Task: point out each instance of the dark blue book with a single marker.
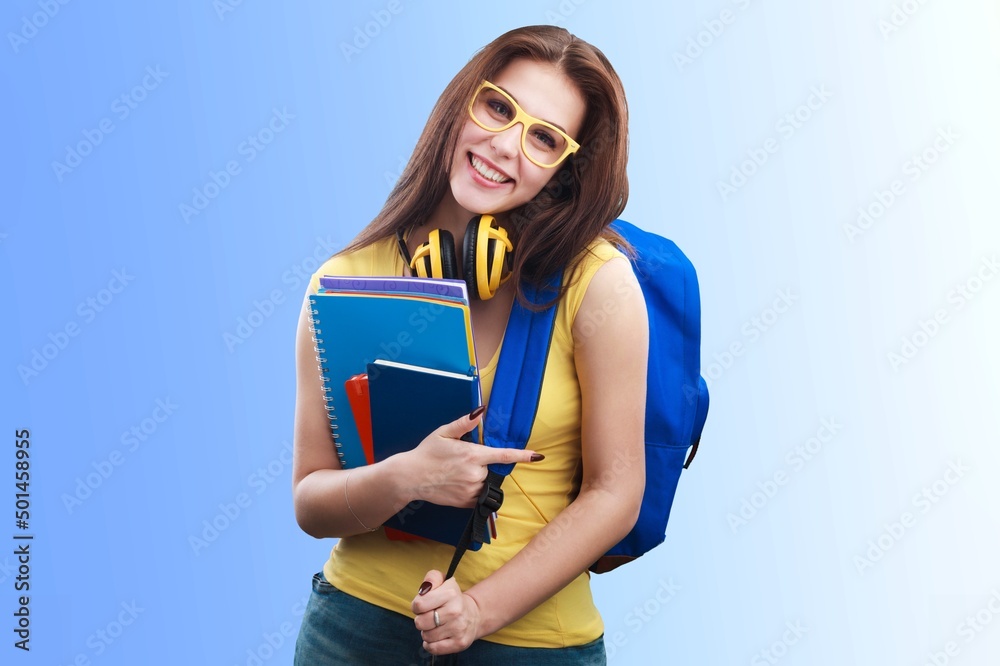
(408, 402)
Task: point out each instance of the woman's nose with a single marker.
(508, 142)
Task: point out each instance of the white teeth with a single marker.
(487, 172)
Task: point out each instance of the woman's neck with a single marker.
(451, 216)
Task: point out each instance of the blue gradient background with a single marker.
(328, 171)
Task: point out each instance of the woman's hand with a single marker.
(448, 620)
(449, 471)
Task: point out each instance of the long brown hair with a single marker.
(584, 196)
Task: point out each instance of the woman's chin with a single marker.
(480, 203)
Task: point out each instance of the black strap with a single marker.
(489, 502)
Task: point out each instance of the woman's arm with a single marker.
(611, 365)
(443, 469)
(317, 478)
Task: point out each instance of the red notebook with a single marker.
(357, 397)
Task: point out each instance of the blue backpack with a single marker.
(676, 394)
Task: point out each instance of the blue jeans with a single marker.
(341, 629)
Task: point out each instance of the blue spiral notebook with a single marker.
(353, 328)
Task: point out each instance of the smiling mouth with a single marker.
(486, 172)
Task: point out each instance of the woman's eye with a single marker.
(500, 109)
(544, 138)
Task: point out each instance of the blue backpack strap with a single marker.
(700, 414)
(517, 385)
(513, 404)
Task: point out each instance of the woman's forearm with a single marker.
(442, 469)
(595, 521)
(375, 493)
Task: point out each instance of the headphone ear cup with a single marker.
(421, 261)
(446, 249)
(470, 257)
(485, 253)
(436, 257)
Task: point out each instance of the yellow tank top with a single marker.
(387, 573)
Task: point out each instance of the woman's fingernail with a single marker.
(535, 457)
(477, 411)
(425, 587)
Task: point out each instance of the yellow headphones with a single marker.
(486, 252)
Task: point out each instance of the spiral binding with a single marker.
(321, 365)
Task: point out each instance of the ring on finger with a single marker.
(437, 620)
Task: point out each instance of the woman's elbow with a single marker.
(621, 507)
(307, 526)
(304, 519)
(631, 506)
(305, 514)
(628, 493)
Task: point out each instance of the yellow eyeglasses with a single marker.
(543, 143)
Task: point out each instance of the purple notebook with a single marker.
(454, 289)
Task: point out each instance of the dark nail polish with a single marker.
(477, 411)
(535, 457)
(425, 587)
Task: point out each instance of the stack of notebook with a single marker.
(398, 360)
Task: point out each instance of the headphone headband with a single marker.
(403, 250)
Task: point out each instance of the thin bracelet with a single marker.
(346, 481)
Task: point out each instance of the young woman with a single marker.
(533, 130)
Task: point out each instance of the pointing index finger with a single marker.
(507, 456)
